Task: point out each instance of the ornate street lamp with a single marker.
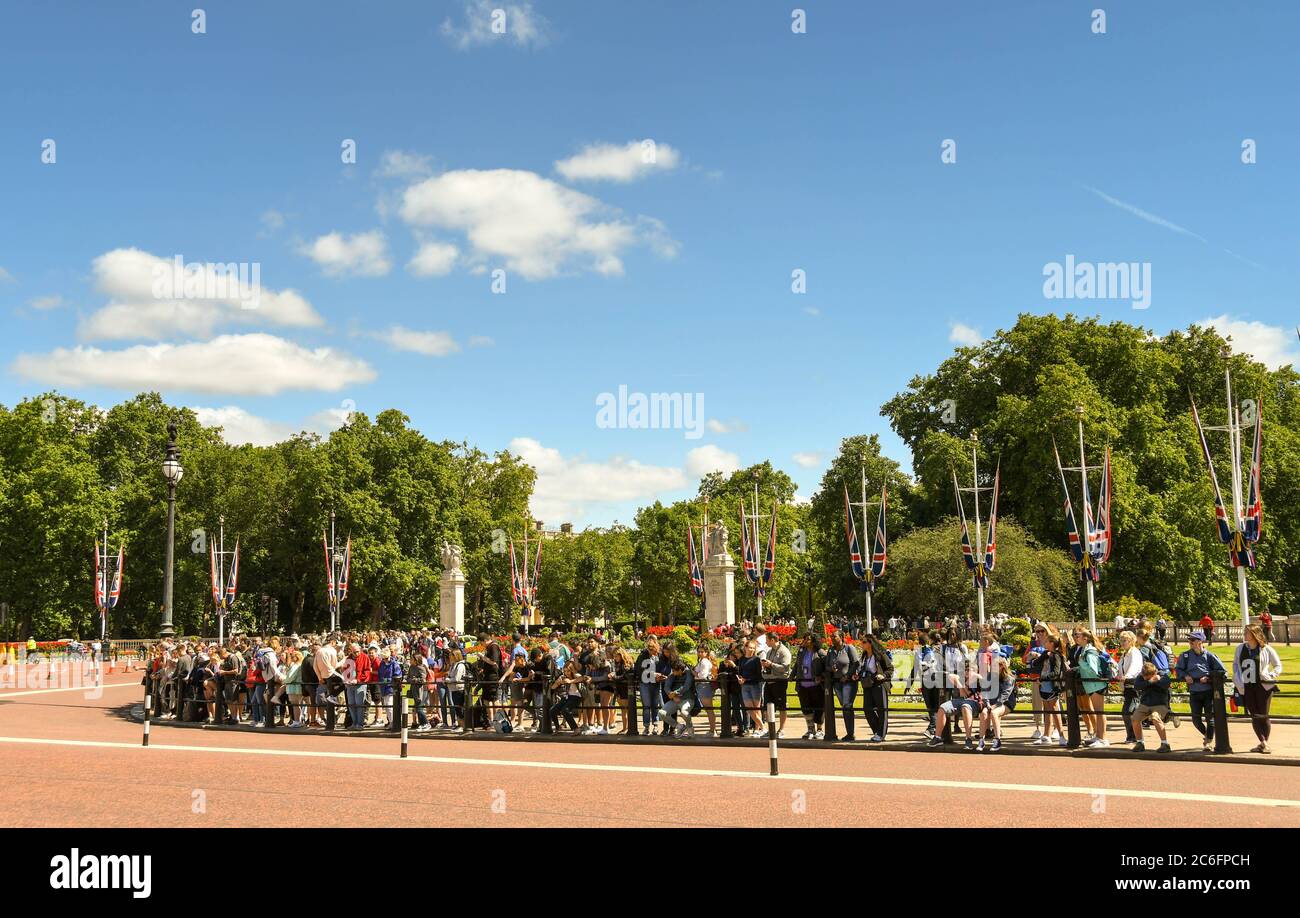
(635, 584)
(172, 472)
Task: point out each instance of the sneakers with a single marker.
(934, 741)
(1061, 740)
(971, 745)
(602, 731)
(876, 738)
(821, 734)
(1164, 747)
(1207, 746)
(995, 746)
(809, 735)
(1037, 735)
(423, 728)
(1139, 746)
(849, 739)
(1098, 743)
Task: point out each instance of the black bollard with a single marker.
(633, 695)
(148, 706)
(1072, 684)
(399, 718)
(1222, 743)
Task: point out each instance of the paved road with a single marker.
(68, 757)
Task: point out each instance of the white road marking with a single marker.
(692, 772)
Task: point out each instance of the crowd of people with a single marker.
(590, 684)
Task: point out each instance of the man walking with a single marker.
(1195, 667)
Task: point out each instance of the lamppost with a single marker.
(808, 570)
(635, 584)
(172, 471)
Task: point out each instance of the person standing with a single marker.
(1255, 670)
(1130, 670)
(776, 677)
(842, 667)
(808, 672)
(1196, 667)
(1207, 626)
(1095, 667)
(876, 673)
(1153, 705)
(1266, 623)
(925, 672)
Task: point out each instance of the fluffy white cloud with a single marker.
(433, 259)
(709, 458)
(361, 254)
(609, 162)
(1272, 345)
(152, 298)
(430, 343)
(481, 24)
(536, 226)
(808, 460)
(240, 427)
(568, 486)
(253, 364)
(961, 333)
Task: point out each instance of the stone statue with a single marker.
(717, 539)
(451, 556)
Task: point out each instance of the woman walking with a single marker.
(876, 673)
(1255, 670)
(1095, 667)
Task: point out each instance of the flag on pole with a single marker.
(879, 554)
(1254, 522)
(769, 557)
(693, 565)
(1100, 543)
(991, 545)
(537, 569)
(851, 533)
(99, 579)
(515, 592)
(233, 579)
(967, 552)
(1082, 560)
(214, 574)
(747, 548)
(115, 592)
(329, 567)
(1229, 534)
(343, 574)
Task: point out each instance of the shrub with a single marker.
(1016, 633)
(684, 637)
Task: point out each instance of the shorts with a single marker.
(954, 705)
(775, 695)
(1047, 691)
(751, 693)
(704, 694)
(1157, 713)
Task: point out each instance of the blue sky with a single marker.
(523, 151)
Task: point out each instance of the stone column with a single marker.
(720, 590)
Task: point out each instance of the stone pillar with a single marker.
(451, 608)
(720, 590)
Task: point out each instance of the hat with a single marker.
(1197, 635)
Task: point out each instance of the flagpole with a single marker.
(103, 612)
(527, 524)
(757, 562)
(978, 546)
(221, 581)
(333, 589)
(866, 535)
(1234, 441)
(1087, 511)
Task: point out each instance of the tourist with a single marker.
(749, 673)
(1207, 626)
(1051, 668)
(1196, 666)
(680, 692)
(1130, 669)
(624, 675)
(457, 685)
(325, 662)
(999, 693)
(417, 677)
(809, 672)
(1153, 704)
(965, 701)
(925, 673)
(600, 672)
(876, 674)
(1095, 666)
(705, 687)
(1033, 651)
(776, 677)
(842, 668)
(1256, 667)
(1266, 623)
(650, 675)
(567, 684)
(388, 674)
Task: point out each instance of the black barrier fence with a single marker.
(471, 705)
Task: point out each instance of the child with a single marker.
(1153, 703)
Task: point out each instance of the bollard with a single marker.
(394, 723)
(1222, 743)
(467, 718)
(771, 737)
(832, 731)
(633, 696)
(148, 703)
(399, 717)
(545, 729)
(1072, 684)
(726, 705)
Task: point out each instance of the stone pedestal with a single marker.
(719, 590)
(451, 605)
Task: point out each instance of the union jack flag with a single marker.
(1099, 542)
(343, 575)
(516, 592)
(769, 558)
(968, 552)
(537, 570)
(115, 592)
(1239, 552)
(214, 574)
(1082, 560)
(99, 580)
(1253, 525)
(329, 567)
(851, 533)
(880, 553)
(749, 563)
(991, 547)
(693, 565)
(233, 579)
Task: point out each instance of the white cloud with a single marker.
(43, 303)
(404, 164)
(361, 254)
(808, 460)
(521, 25)
(568, 486)
(961, 333)
(429, 343)
(811, 311)
(1272, 345)
(480, 341)
(433, 259)
(272, 220)
(723, 427)
(240, 427)
(608, 162)
(709, 458)
(537, 227)
(6, 277)
(129, 278)
(253, 364)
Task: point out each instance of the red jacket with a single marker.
(365, 669)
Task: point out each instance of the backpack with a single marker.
(264, 664)
(1156, 654)
(1105, 665)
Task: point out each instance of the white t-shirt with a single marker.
(704, 670)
